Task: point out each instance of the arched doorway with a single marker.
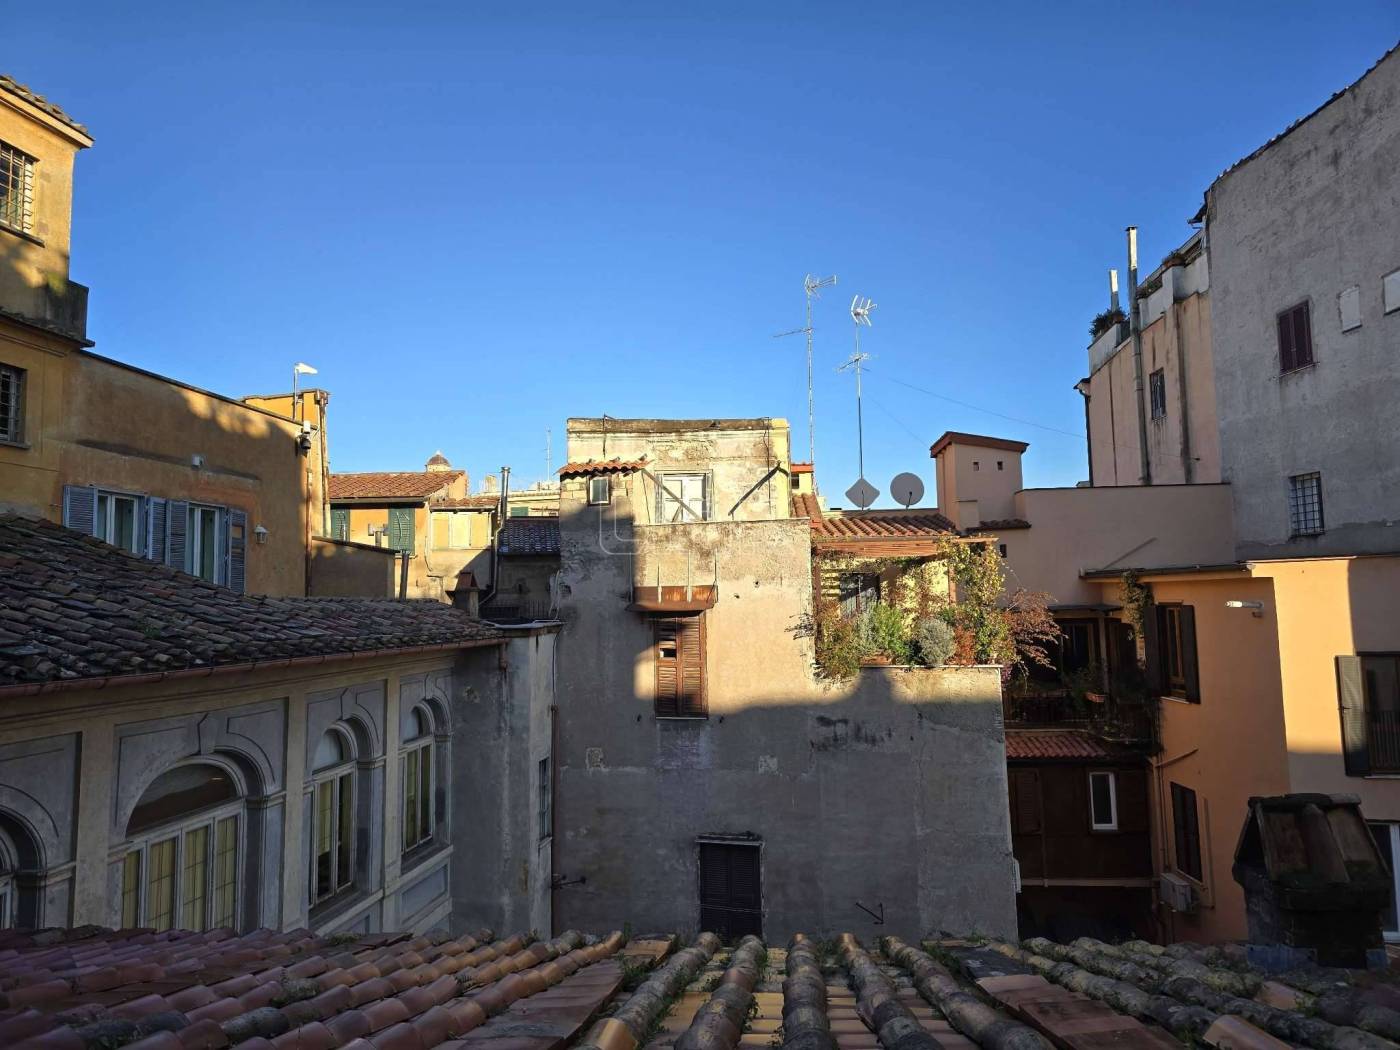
(184, 848)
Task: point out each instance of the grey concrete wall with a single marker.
(501, 729)
(889, 790)
(1315, 213)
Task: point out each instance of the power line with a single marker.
(988, 411)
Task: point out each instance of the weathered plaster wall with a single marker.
(889, 790)
(343, 569)
(1315, 213)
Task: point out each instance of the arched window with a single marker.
(416, 761)
(184, 841)
(9, 865)
(333, 815)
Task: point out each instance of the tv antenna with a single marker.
(813, 287)
(860, 314)
(548, 455)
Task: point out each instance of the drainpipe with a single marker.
(502, 508)
(1135, 324)
(1083, 387)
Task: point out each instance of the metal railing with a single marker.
(1383, 740)
(1129, 721)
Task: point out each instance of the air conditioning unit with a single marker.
(1177, 892)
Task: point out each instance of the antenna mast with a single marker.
(812, 285)
(860, 314)
(548, 455)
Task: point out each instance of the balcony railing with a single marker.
(1383, 740)
(1128, 721)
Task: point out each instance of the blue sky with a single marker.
(478, 220)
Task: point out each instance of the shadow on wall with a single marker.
(344, 569)
(787, 803)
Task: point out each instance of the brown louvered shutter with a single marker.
(1025, 802)
(690, 638)
(665, 648)
(1286, 356)
(1302, 336)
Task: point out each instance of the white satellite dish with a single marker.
(907, 489)
(862, 493)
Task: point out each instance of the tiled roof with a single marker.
(1058, 743)
(980, 440)
(483, 501)
(806, 505)
(75, 608)
(419, 484)
(143, 990)
(537, 535)
(166, 991)
(1000, 525)
(14, 87)
(882, 524)
(802, 468)
(601, 466)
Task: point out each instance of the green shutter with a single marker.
(340, 523)
(401, 529)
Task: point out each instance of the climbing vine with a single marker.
(1136, 597)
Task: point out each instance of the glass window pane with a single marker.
(344, 867)
(1101, 798)
(160, 885)
(208, 545)
(330, 751)
(425, 794)
(124, 523)
(193, 878)
(410, 799)
(225, 871)
(131, 890)
(103, 530)
(324, 835)
(180, 791)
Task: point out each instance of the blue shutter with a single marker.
(237, 550)
(401, 529)
(340, 523)
(177, 523)
(155, 529)
(80, 508)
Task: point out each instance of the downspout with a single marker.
(1083, 387)
(502, 508)
(1135, 324)
(1186, 466)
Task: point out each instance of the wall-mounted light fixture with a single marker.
(1255, 608)
(197, 461)
(260, 533)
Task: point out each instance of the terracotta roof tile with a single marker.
(806, 505)
(73, 608)
(483, 501)
(536, 535)
(802, 468)
(1058, 743)
(391, 484)
(14, 87)
(1000, 525)
(601, 466)
(881, 524)
(980, 440)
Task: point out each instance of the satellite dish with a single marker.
(862, 494)
(907, 489)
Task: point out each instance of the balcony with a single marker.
(1128, 721)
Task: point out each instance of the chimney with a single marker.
(490, 485)
(1113, 289)
(466, 594)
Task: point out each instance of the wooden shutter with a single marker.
(1189, 668)
(155, 529)
(1152, 648)
(401, 529)
(690, 636)
(731, 895)
(1286, 355)
(666, 657)
(1025, 802)
(80, 508)
(177, 523)
(1351, 701)
(237, 550)
(340, 523)
(1302, 336)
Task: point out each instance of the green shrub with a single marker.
(889, 632)
(935, 640)
(839, 649)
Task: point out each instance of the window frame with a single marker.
(665, 484)
(18, 384)
(675, 707)
(593, 498)
(1094, 823)
(194, 537)
(1391, 853)
(1375, 763)
(179, 830)
(1186, 833)
(105, 519)
(1157, 394)
(24, 185)
(1178, 652)
(412, 753)
(1294, 354)
(1300, 505)
(544, 804)
(336, 776)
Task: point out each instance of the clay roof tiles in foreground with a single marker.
(267, 990)
(806, 505)
(1029, 744)
(532, 536)
(882, 524)
(391, 484)
(601, 466)
(73, 608)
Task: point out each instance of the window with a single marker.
(16, 189)
(11, 404)
(1294, 339)
(1186, 832)
(1178, 674)
(1001, 465)
(118, 520)
(976, 465)
(401, 529)
(681, 497)
(519, 512)
(1103, 801)
(1001, 549)
(418, 784)
(545, 814)
(1369, 694)
(1305, 504)
(1079, 645)
(731, 901)
(332, 816)
(1390, 292)
(599, 490)
(679, 648)
(451, 528)
(202, 543)
(1349, 308)
(858, 591)
(1387, 838)
(1157, 389)
(181, 865)
(340, 523)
